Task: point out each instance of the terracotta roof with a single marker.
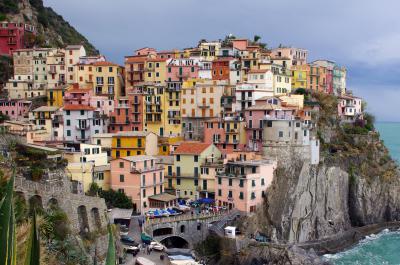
(104, 64)
(136, 59)
(78, 107)
(157, 59)
(191, 148)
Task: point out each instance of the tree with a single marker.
(116, 199)
(93, 189)
(256, 38)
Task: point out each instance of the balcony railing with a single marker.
(147, 169)
(83, 127)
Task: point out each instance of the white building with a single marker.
(81, 122)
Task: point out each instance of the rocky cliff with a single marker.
(355, 184)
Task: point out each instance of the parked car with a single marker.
(157, 246)
(124, 230)
(132, 250)
(128, 241)
(157, 214)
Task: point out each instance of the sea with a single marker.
(382, 248)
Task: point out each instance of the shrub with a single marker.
(116, 199)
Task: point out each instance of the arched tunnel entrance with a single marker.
(175, 242)
(162, 231)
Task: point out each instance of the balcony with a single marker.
(232, 131)
(204, 106)
(122, 106)
(82, 127)
(52, 71)
(82, 139)
(152, 121)
(148, 169)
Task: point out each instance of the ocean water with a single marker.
(383, 248)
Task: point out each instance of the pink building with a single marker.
(227, 133)
(141, 178)
(127, 115)
(85, 96)
(244, 182)
(264, 108)
(349, 108)
(15, 109)
(182, 69)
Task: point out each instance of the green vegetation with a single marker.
(116, 199)
(9, 6)
(111, 255)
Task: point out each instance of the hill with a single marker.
(53, 30)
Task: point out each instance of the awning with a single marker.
(163, 197)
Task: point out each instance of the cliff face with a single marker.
(355, 184)
(53, 30)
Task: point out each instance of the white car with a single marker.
(184, 208)
(157, 246)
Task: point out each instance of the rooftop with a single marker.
(191, 148)
(46, 108)
(139, 158)
(164, 197)
(78, 107)
(132, 133)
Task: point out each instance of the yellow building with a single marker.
(209, 50)
(155, 70)
(188, 159)
(105, 77)
(133, 143)
(161, 111)
(89, 165)
(55, 96)
(43, 117)
(166, 145)
(299, 77)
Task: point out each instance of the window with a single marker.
(230, 182)
(230, 195)
(262, 182)
(121, 164)
(144, 193)
(82, 112)
(241, 183)
(241, 195)
(68, 133)
(253, 195)
(219, 192)
(280, 134)
(178, 181)
(196, 182)
(68, 112)
(178, 171)
(253, 183)
(68, 122)
(178, 158)
(219, 181)
(121, 178)
(196, 158)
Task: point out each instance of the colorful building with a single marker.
(88, 165)
(141, 178)
(15, 109)
(81, 122)
(14, 36)
(188, 159)
(243, 183)
(134, 143)
(227, 133)
(43, 118)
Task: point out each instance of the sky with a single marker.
(363, 35)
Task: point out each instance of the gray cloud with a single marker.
(361, 34)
